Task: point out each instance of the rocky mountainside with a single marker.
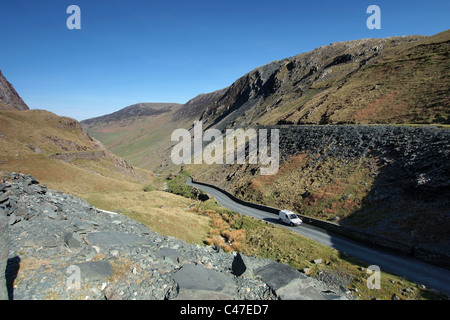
(196, 106)
(400, 80)
(63, 248)
(392, 80)
(9, 98)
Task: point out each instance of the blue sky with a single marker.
(131, 51)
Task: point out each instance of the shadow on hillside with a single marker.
(12, 270)
(409, 200)
(406, 212)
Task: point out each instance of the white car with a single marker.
(289, 217)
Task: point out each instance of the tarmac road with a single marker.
(402, 265)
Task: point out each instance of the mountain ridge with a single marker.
(135, 110)
(9, 98)
(394, 80)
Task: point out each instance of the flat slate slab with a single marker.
(289, 284)
(278, 275)
(95, 270)
(299, 289)
(168, 254)
(115, 239)
(198, 281)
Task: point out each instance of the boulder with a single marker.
(288, 283)
(195, 282)
(73, 240)
(170, 255)
(299, 289)
(95, 270)
(278, 275)
(4, 251)
(244, 266)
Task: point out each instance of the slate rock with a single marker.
(115, 239)
(73, 240)
(244, 266)
(95, 270)
(3, 198)
(198, 279)
(299, 289)
(170, 255)
(278, 275)
(4, 186)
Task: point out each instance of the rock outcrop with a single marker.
(63, 248)
(9, 98)
(359, 81)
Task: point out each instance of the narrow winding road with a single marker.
(402, 265)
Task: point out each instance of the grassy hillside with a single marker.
(406, 83)
(142, 139)
(59, 154)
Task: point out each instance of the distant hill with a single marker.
(140, 133)
(135, 110)
(9, 98)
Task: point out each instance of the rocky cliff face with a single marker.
(196, 106)
(9, 98)
(392, 80)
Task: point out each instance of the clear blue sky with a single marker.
(131, 51)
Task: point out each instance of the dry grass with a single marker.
(99, 181)
(224, 231)
(162, 212)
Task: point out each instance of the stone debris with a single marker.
(57, 241)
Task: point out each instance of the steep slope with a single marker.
(196, 106)
(9, 98)
(389, 181)
(59, 153)
(386, 180)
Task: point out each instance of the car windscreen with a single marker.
(292, 216)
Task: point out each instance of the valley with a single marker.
(364, 144)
